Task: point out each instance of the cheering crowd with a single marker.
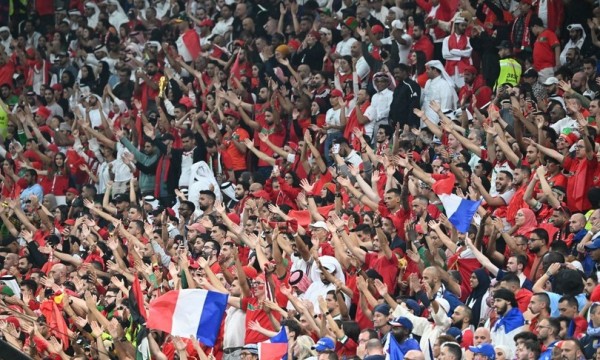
(366, 179)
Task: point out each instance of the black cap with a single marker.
(504, 44)
(530, 73)
(120, 198)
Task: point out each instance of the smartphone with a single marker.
(335, 148)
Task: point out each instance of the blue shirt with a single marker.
(36, 190)
(547, 355)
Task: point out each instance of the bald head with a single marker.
(579, 81)
(577, 222)
(414, 355)
(59, 273)
(482, 336)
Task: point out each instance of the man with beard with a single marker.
(406, 97)
(193, 150)
(571, 350)
(148, 90)
(24, 266)
(401, 330)
(145, 161)
(456, 49)
(548, 334)
(461, 319)
(346, 154)
(576, 40)
(381, 259)
(521, 178)
(381, 101)
(210, 252)
(505, 192)
(422, 42)
(510, 319)
(432, 277)
(266, 121)
(207, 202)
(537, 310)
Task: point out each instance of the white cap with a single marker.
(319, 225)
(575, 27)
(397, 24)
(460, 20)
(551, 81)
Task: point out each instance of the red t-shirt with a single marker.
(582, 175)
(254, 313)
(543, 50)
(387, 268)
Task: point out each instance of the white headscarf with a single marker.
(438, 65)
(92, 21)
(119, 17)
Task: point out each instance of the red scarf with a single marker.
(525, 42)
(457, 42)
(166, 162)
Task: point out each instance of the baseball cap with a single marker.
(197, 227)
(529, 73)
(319, 225)
(485, 350)
(251, 348)
(504, 44)
(551, 81)
(324, 344)
(403, 322)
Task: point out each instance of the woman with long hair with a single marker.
(417, 62)
(86, 77)
(102, 78)
(57, 179)
(9, 187)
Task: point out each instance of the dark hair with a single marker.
(189, 204)
(508, 174)
(525, 336)
(209, 193)
(454, 349)
(545, 299)
(590, 61)
(534, 347)
(542, 234)
(216, 245)
(511, 278)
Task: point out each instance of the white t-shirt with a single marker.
(343, 47)
(332, 118)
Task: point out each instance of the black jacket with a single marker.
(407, 97)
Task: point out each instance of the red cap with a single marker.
(73, 191)
(207, 22)
(43, 111)
(187, 102)
(316, 35)
(294, 44)
(231, 112)
(470, 69)
(234, 217)
(69, 222)
(53, 148)
(13, 320)
(293, 146)
(262, 194)
(197, 227)
(250, 272)
(377, 29)
(171, 212)
(337, 93)
(57, 87)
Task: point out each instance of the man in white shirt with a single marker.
(382, 100)
(344, 46)
(362, 68)
(576, 39)
(456, 49)
(440, 88)
(403, 40)
(225, 23)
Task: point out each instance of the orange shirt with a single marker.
(238, 158)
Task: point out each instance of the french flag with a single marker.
(189, 312)
(459, 211)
